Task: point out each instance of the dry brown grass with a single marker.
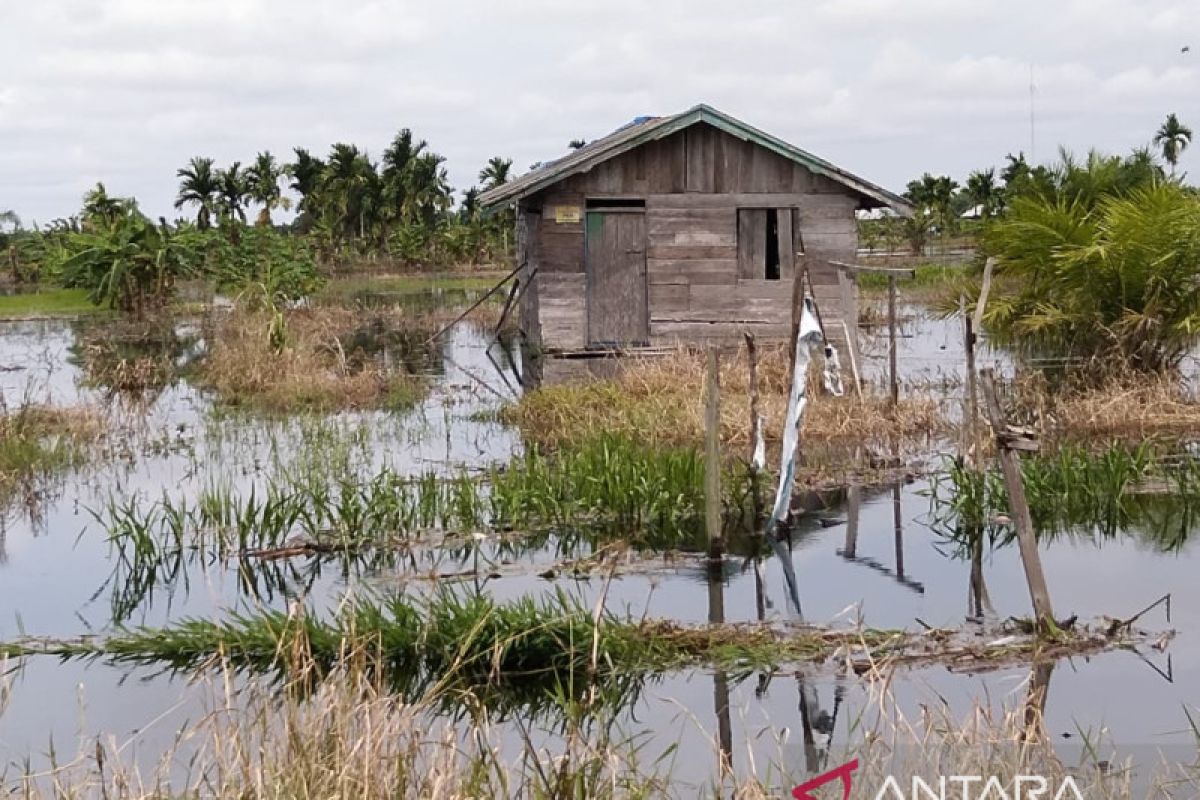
(660, 399)
(313, 371)
(348, 738)
(1125, 406)
(37, 441)
(81, 423)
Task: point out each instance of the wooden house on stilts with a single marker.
(684, 228)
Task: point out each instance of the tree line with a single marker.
(350, 211)
(349, 205)
(945, 209)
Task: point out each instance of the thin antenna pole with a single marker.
(1032, 124)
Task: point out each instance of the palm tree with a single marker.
(263, 185)
(198, 185)
(100, 209)
(468, 210)
(398, 160)
(429, 192)
(349, 190)
(10, 218)
(232, 192)
(305, 172)
(1173, 137)
(983, 192)
(496, 173)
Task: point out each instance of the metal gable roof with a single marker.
(645, 129)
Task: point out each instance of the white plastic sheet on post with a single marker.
(833, 371)
(809, 335)
(759, 459)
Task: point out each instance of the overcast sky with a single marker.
(126, 91)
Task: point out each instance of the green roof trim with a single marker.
(634, 135)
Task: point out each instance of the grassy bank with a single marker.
(348, 287)
(926, 277)
(49, 302)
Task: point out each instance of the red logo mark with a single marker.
(801, 792)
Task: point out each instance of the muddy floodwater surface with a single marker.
(871, 555)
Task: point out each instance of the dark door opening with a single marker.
(771, 271)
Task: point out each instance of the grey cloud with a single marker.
(126, 91)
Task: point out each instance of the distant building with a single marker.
(683, 228)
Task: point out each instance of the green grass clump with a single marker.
(609, 487)
(526, 648)
(48, 302)
(1077, 491)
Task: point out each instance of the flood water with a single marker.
(59, 576)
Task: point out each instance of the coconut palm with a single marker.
(398, 160)
(1173, 137)
(199, 186)
(984, 193)
(305, 172)
(496, 173)
(100, 209)
(429, 194)
(262, 182)
(349, 190)
(232, 192)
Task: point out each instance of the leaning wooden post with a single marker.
(893, 384)
(1010, 463)
(976, 325)
(712, 456)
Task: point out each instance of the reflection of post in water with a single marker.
(978, 601)
(716, 616)
(814, 721)
(1035, 701)
(760, 590)
(898, 526)
(853, 506)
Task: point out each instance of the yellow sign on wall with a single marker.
(565, 214)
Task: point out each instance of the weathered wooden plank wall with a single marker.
(693, 184)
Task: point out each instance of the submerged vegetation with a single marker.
(36, 442)
(317, 360)
(609, 486)
(1147, 491)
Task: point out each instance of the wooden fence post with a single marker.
(712, 456)
(1010, 463)
(755, 431)
(971, 326)
(893, 383)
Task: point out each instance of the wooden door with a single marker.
(616, 279)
